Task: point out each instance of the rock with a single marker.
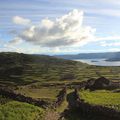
(100, 83)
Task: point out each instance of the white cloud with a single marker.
(21, 21)
(109, 38)
(104, 11)
(103, 2)
(13, 43)
(27, 48)
(113, 2)
(111, 44)
(64, 34)
(63, 31)
(114, 50)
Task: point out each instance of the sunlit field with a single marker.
(102, 97)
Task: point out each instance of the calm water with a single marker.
(99, 62)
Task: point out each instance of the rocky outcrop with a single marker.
(89, 83)
(100, 83)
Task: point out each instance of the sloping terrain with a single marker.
(102, 97)
(22, 69)
(41, 77)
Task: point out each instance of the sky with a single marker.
(59, 26)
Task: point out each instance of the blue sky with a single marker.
(20, 16)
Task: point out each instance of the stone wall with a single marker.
(18, 97)
(60, 97)
(98, 110)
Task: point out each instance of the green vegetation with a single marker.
(43, 92)
(102, 97)
(41, 76)
(22, 69)
(20, 111)
(4, 100)
(62, 107)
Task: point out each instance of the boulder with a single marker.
(101, 83)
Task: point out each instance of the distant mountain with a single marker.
(116, 57)
(106, 55)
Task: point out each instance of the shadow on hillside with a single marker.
(7, 81)
(71, 100)
(73, 113)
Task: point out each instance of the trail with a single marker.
(71, 113)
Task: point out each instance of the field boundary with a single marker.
(18, 97)
(99, 110)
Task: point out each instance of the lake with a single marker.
(99, 62)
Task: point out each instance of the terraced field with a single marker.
(42, 77)
(49, 93)
(102, 97)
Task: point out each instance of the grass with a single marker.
(62, 107)
(20, 111)
(21, 69)
(33, 76)
(43, 92)
(102, 97)
(4, 100)
(24, 69)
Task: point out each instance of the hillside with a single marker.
(23, 69)
(29, 82)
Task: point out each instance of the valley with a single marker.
(54, 80)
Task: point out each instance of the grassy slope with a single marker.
(28, 73)
(23, 69)
(44, 92)
(13, 110)
(102, 97)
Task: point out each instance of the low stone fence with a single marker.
(61, 97)
(97, 110)
(18, 97)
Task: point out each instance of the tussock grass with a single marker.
(20, 111)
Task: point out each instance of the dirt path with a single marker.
(70, 113)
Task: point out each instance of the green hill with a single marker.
(42, 77)
(21, 69)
